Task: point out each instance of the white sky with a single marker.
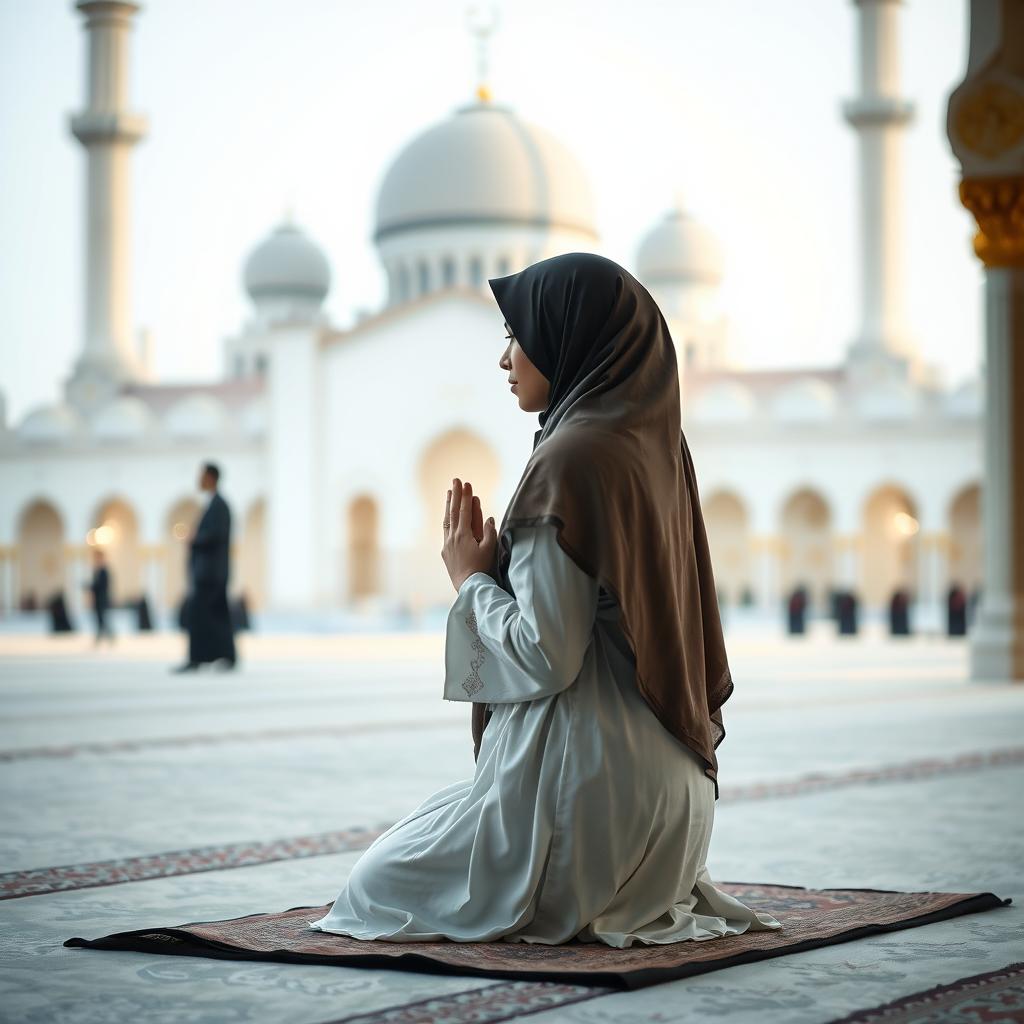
(258, 105)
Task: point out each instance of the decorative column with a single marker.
(879, 115)
(847, 548)
(293, 460)
(153, 558)
(767, 552)
(76, 573)
(108, 131)
(932, 572)
(985, 125)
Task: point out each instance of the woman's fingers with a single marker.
(478, 519)
(446, 522)
(456, 503)
(466, 511)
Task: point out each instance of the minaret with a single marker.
(879, 116)
(108, 131)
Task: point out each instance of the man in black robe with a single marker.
(100, 589)
(797, 610)
(210, 632)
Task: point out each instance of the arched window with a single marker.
(448, 270)
(403, 283)
(261, 363)
(504, 266)
(423, 277)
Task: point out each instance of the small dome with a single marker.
(484, 165)
(51, 424)
(725, 401)
(888, 400)
(195, 416)
(287, 265)
(679, 249)
(803, 401)
(126, 418)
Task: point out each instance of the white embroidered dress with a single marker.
(584, 818)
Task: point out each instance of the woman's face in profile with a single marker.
(528, 384)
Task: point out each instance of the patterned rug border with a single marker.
(178, 941)
(227, 856)
(487, 1004)
(924, 1004)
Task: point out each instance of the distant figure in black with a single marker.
(210, 633)
(956, 611)
(144, 615)
(899, 613)
(847, 608)
(797, 610)
(99, 587)
(60, 621)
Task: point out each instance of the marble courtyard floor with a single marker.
(857, 763)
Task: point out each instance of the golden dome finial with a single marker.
(482, 25)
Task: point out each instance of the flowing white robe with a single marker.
(584, 817)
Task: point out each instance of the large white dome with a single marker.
(484, 165)
(287, 265)
(679, 248)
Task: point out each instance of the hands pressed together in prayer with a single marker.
(469, 542)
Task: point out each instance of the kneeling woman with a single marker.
(586, 632)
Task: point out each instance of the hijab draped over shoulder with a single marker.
(611, 469)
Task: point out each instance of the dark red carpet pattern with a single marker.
(811, 918)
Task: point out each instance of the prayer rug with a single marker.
(810, 918)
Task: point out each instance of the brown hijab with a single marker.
(612, 470)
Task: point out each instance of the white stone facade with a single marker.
(337, 446)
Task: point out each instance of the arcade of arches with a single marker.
(45, 560)
(890, 550)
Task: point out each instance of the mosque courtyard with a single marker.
(864, 762)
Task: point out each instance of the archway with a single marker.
(363, 547)
(728, 527)
(805, 528)
(40, 553)
(116, 531)
(252, 556)
(181, 522)
(890, 545)
(966, 547)
(457, 452)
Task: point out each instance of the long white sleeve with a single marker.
(502, 649)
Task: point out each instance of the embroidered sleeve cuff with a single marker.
(473, 579)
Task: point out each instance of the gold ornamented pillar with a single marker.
(985, 125)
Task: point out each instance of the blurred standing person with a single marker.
(899, 612)
(99, 587)
(210, 631)
(956, 611)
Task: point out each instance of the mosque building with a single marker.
(862, 475)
